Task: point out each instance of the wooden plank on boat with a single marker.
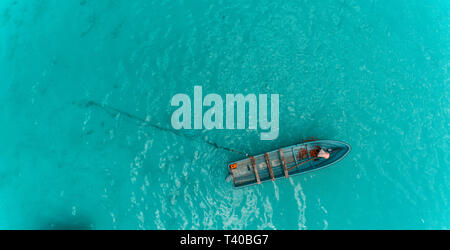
(266, 155)
(258, 180)
(284, 163)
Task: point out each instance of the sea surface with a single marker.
(86, 140)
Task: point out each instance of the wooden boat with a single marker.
(285, 162)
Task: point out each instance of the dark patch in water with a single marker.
(92, 20)
(69, 223)
(6, 16)
(115, 33)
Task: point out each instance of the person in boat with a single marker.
(319, 153)
(323, 154)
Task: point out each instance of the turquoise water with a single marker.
(371, 73)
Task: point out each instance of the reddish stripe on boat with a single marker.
(266, 155)
(284, 163)
(258, 180)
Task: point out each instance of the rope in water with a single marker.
(115, 111)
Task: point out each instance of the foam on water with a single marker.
(373, 74)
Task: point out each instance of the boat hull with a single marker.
(286, 162)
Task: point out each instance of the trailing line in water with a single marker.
(115, 111)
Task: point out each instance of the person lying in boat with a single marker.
(323, 154)
(319, 153)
